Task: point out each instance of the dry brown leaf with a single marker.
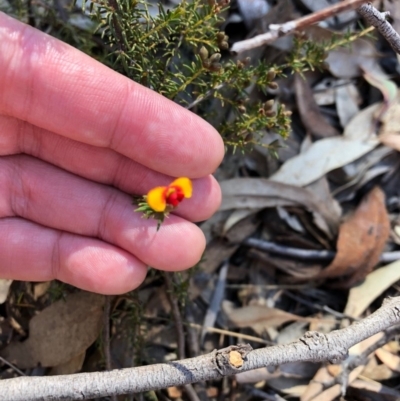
(258, 317)
(333, 392)
(390, 360)
(294, 370)
(174, 392)
(316, 385)
(390, 130)
(378, 372)
(383, 392)
(288, 385)
(347, 101)
(361, 240)
(39, 289)
(59, 333)
(68, 368)
(351, 61)
(242, 193)
(361, 296)
(4, 287)
(310, 114)
(329, 154)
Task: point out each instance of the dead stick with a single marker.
(313, 346)
(378, 20)
(176, 313)
(278, 30)
(106, 337)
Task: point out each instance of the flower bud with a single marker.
(269, 104)
(207, 63)
(271, 75)
(223, 45)
(203, 53)
(215, 67)
(248, 137)
(220, 36)
(215, 58)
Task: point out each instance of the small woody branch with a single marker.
(313, 346)
(378, 20)
(279, 30)
(367, 11)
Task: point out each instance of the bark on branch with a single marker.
(370, 13)
(313, 346)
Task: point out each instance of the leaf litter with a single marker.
(333, 187)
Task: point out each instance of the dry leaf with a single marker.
(382, 82)
(332, 392)
(59, 333)
(352, 60)
(328, 154)
(390, 130)
(361, 296)
(310, 113)
(294, 370)
(235, 217)
(252, 10)
(244, 193)
(316, 385)
(390, 360)
(68, 368)
(383, 392)
(288, 385)
(361, 240)
(40, 289)
(258, 317)
(347, 101)
(174, 392)
(378, 372)
(4, 287)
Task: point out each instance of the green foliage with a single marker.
(147, 212)
(179, 53)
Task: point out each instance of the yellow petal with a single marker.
(156, 199)
(185, 184)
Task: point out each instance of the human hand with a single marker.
(76, 138)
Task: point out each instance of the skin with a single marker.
(76, 139)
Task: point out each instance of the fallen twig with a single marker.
(106, 336)
(378, 20)
(307, 254)
(367, 11)
(176, 314)
(313, 346)
(278, 30)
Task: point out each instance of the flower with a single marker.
(160, 199)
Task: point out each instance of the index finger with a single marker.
(56, 87)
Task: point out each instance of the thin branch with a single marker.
(313, 346)
(307, 254)
(361, 359)
(378, 20)
(12, 366)
(278, 30)
(287, 251)
(176, 313)
(106, 336)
